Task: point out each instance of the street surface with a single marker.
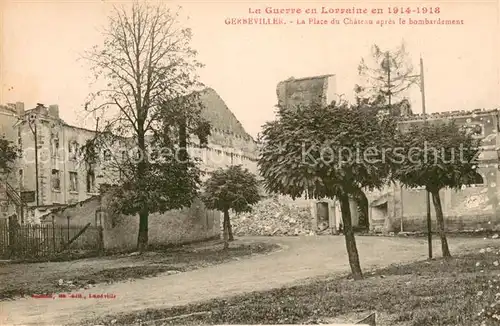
(301, 258)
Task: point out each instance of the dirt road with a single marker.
(300, 258)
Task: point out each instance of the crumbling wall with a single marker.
(306, 91)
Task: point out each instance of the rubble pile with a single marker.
(273, 217)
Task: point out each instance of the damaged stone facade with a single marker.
(65, 179)
(395, 208)
(475, 207)
(320, 90)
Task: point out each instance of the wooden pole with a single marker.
(427, 201)
(388, 60)
(36, 167)
(68, 227)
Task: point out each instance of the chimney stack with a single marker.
(54, 111)
(20, 108)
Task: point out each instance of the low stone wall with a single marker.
(459, 223)
(120, 231)
(170, 228)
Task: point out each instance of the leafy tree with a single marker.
(320, 151)
(387, 75)
(8, 155)
(149, 72)
(438, 156)
(233, 188)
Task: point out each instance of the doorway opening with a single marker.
(322, 216)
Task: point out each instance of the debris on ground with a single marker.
(82, 284)
(172, 272)
(274, 217)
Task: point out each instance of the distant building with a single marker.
(397, 208)
(65, 179)
(475, 207)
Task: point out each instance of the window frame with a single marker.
(53, 179)
(91, 188)
(73, 175)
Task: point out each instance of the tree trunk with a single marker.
(229, 229)
(142, 166)
(225, 227)
(183, 155)
(350, 241)
(436, 200)
(142, 240)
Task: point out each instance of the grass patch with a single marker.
(86, 280)
(440, 292)
(44, 278)
(67, 255)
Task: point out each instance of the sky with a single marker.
(42, 42)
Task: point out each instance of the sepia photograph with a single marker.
(217, 162)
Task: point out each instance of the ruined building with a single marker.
(395, 208)
(319, 90)
(58, 178)
(474, 207)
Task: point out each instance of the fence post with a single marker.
(12, 230)
(77, 235)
